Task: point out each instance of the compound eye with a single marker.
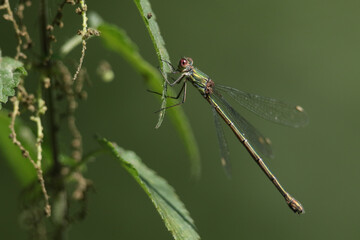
(183, 62)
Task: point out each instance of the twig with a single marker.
(76, 143)
(89, 33)
(25, 153)
(59, 13)
(81, 59)
(40, 135)
(82, 187)
(20, 14)
(83, 33)
(10, 17)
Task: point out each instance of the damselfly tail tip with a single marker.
(295, 205)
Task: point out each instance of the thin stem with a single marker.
(43, 30)
(53, 132)
(84, 34)
(47, 64)
(10, 16)
(26, 154)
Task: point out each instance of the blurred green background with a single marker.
(304, 52)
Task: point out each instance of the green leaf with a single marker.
(149, 18)
(11, 72)
(21, 166)
(117, 40)
(154, 31)
(163, 196)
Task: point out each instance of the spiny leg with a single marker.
(182, 101)
(177, 97)
(176, 81)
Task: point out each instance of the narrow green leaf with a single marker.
(149, 18)
(116, 40)
(11, 72)
(173, 212)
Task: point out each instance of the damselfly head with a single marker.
(185, 64)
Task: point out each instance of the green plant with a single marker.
(54, 179)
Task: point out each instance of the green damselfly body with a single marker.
(254, 142)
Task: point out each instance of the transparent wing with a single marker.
(260, 143)
(224, 151)
(268, 108)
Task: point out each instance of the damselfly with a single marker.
(254, 142)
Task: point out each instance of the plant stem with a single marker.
(46, 52)
(43, 30)
(58, 186)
